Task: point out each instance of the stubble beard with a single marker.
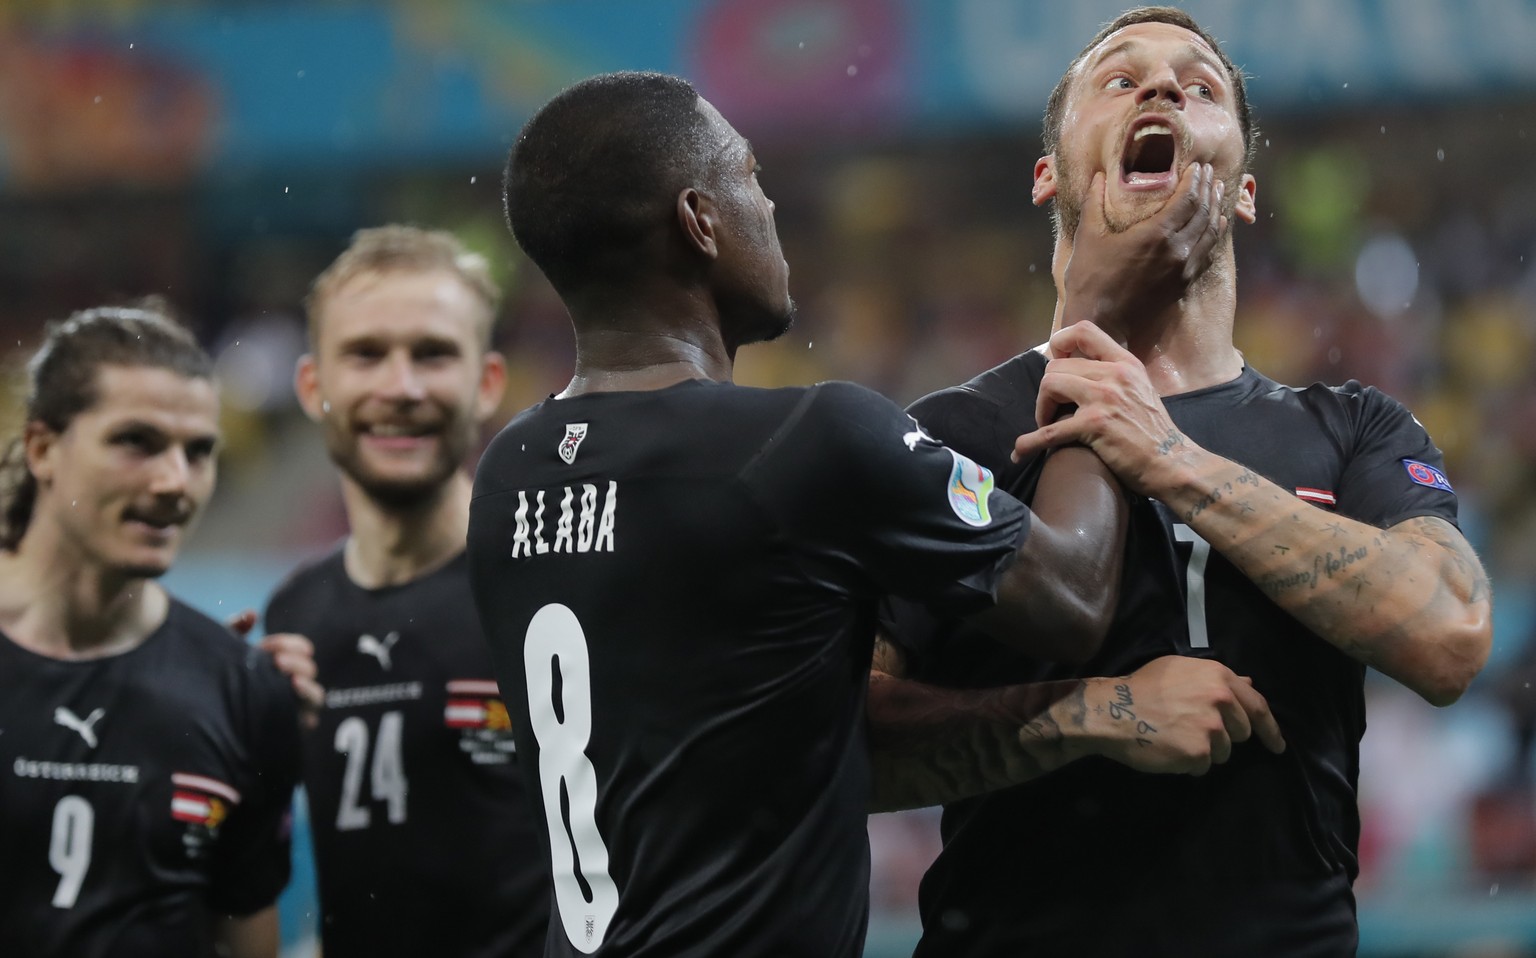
(397, 492)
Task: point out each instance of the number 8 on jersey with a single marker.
(585, 895)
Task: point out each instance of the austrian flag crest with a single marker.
(575, 432)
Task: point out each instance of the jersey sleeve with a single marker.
(854, 477)
(965, 422)
(969, 424)
(1394, 472)
(253, 860)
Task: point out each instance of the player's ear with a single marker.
(1246, 209)
(39, 442)
(306, 385)
(697, 216)
(1045, 180)
(493, 385)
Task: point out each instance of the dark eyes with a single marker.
(144, 443)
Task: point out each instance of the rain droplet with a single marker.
(1346, 86)
(472, 180)
(285, 189)
(130, 46)
(98, 98)
(809, 343)
(1031, 267)
(1334, 355)
(802, 44)
(1383, 129)
(1493, 890)
(301, 74)
(1440, 155)
(853, 71)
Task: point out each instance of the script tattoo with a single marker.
(1171, 442)
(1122, 709)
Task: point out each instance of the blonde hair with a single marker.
(397, 248)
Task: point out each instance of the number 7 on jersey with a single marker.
(1194, 584)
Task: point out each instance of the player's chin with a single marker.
(405, 489)
(142, 566)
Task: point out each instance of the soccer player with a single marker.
(424, 839)
(1297, 535)
(148, 755)
(678, 576)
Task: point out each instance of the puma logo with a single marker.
(85, 727)
(368, 645)
(916, 436)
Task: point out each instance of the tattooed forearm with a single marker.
(931, 745)
(1412, 600)
(1170, 443)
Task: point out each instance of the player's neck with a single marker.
(1188, 345)
(392, 545)
(57, 603)
(640, 348)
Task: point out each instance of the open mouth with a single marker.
(1149, 156)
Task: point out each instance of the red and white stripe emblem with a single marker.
(464, 713)
(1320, 496)
(203, 783)
(190, 807)
(467, 707)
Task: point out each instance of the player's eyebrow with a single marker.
(1191, 49)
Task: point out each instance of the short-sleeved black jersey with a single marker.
(142, 795)
(425, 841)
(680, 590)
(1258, 856)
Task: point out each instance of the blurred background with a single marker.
(220, 154)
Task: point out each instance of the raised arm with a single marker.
(1411, 601)
(931, 745)
(1059, 597)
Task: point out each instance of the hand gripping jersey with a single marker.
(142, 795)
(680, 590)
(1255, 858)
(425, 842)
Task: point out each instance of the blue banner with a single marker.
(161, 95)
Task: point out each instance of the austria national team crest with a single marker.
(202, 803)
(575, 432)
(475, 708)
(970, 486)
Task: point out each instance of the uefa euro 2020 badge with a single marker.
(970, 486)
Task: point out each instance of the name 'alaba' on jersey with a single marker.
(1255, 858)
(680, 589)
(425, 841)
(142, 795)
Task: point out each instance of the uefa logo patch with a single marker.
(970, 486)
(1426, 475)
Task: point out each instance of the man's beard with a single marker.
(400, 492)
(1072, 187)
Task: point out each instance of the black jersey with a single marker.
(424, 837)
(680, 588)
(1255, 858)
(142, 795)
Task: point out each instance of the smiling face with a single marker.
(400, 380)
(1142, 105)
(127, 477)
